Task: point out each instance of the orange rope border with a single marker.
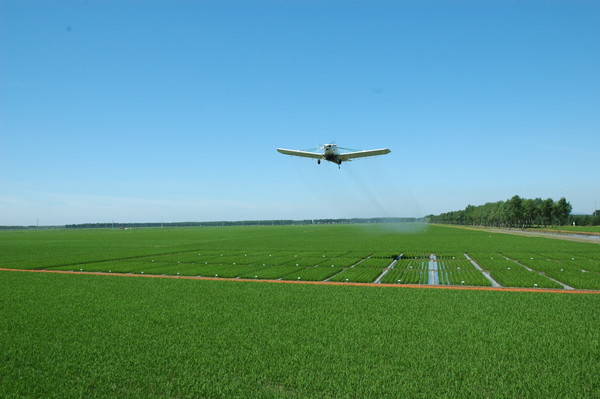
(442, 287)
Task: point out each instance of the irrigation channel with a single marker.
(433, 270)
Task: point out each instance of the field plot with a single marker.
(312, 253)
(450, 270)
(511, 274)
(375, 262)
(357, 275)
(409, 271)
(457, 270)
(405, 276)
(576, 270)
(271, 273)
(314, 273)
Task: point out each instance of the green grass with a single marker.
(376, 262)
(406, 276)
(244, 250)
(74, 336)
(511, 274)
(47, 248)
(577, 270)
(314, 273)
(459, 271)
(358, 275)
(409, 271)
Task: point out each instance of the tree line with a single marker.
(517, 212)
(243, 223)
(117, 225)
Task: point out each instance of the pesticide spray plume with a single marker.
(359, 190)
(384, 199)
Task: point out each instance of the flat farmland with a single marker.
(418, 254)
(71, 335)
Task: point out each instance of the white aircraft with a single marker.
(331, 153)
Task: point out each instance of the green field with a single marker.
(340, 253)
(67, 336)
(95, 336)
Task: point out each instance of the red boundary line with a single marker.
(442, 287)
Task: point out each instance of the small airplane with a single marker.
(331, 153)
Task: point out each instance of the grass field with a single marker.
(67, 336)
(339, 253)
(93, 336)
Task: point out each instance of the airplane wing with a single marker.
(306, 154)
(361, 154)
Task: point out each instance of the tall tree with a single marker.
(515, 211)
(547, 210)
(562, 209)
(530, 212)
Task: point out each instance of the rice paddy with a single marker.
(323, 253)
(68, 335)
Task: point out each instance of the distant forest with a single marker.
(116, 225)
(245, 223)
(518, 212)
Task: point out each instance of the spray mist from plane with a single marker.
(385, 199)
(366, 193)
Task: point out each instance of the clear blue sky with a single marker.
(140, 111)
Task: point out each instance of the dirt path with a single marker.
(485, 274)
(595, 239)
(387, 269)
(588, 237)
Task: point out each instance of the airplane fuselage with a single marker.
(331, 154)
